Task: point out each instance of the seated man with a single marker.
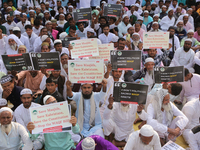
(13, 135)
(22, 114)
(60, 140)
(180, 32)
(144, 139)
(160, 113)
(87, 112)
(118, 120)
(184, 56)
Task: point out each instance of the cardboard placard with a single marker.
(82, 14)
(130, 93)
(112, 10)
(169, 74)
(125, 59)
(86, 71)
(172, 146)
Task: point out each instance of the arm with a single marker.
(118, 21)
(109, 68)
(120, 31)
(109, 108)
(21, 75)
(69, 90)
(191, 62)
(175, 59)
(188, 112)
(134, 76)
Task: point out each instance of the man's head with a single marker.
(130, 30)
(146, 14)
(137, 26)
(64, 58)
(164, 9)
(148, 8)
(190, 33)
(178, 10)
(29, 30)
(86, 90)
(155, 26)
(170, 13)
(90, 32)
(106, 29)
(189, 11)
(80, 26)
(165, 102)
(152, 52)
(46, 14)
(60, 10)
(153, 6)
(136, 37)
(58, 3)
(185, 19)
(12, 44)
(7, 83)
(23, 18)
(55, 74)
(116, 74)
(6, 115)
(187, 45)
(42, 5)
(188, 75)
(43, 31)
(174, 88)
(112, 20)
(88, 144)
(179, 26)
(125, 19)
(115, 41)
(58, 45)
(132, 8)
(102, 20)
(51, 85)
(45, 47)
(26, 97)
(17, 31)
(22, 49)
(149, 64)
(3, 103)
(155, 18)
(48, 25)
(121, 43)
(72, 31)
(48, 99)
(174, 3)
(146, 134)
(171, 31)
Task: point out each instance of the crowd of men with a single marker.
(98, 122)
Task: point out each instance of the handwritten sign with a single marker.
(172, 146)
(104, 51)
(155, 40)
(50, 118)
(86, 71)
(84, 48)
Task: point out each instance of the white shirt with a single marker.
(135, 143)
(37, 31)
(106, 39)
(56, 9)
(22, 27)
(22, 114)
(84, 4)
(166, 22)
(176, 43)
(197, 58)
(25, 2)
(135, 13)
(31, 40)
(8, 26)
(25, 41)
(2, 66)
(13, 141)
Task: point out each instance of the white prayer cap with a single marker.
(16, 29)
(103, 2)
(90, 30)
(146, 11)
(115, 38)
(149, 59)
(46, 11)
(137, 5)
(62, 15)
(153, 3)
(9, 7)
(155, 23)
(17, 12)
(147, 131)
(11, 28)
(179, 21)
(70, 6)
(24, 14)
(88, 144)
(185, 15)
(190, 40)
(190, 31)
(3, 102)
(44, 37)
(5, 109)
(156, 15)
(31, 10)
(26, 91)
(122, 2)
(164, 6)
(135, 34)
(132, 5)
(46, 3)
(125, 15)
(63, 35)
(57, 41)
(178, 7)
(46, 98)
(140, 18)
(169, 9)
(47, 22)
(97, 7)
(38, 6)
(189, 9)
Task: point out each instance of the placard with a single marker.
(169, 74)
(86, 71)
(50, 118)
(48, 60)
(84, 48)
(17, 62)
(125, 59)
(172, 146)
(82, 14)
(66, 41)
(155, 40)
(130, 93)
(104, 51)
(112, 10)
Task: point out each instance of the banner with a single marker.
(50, 118)
(82, 14)
(130, 93)
(84, 48)
(104, 51)
(86, 71)
(66, 41)
(125, 59)
(112, 10)
(153, 40)
(169, 74)
(172, 146)
(17, 62)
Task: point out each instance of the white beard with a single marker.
(179, 29)
(124, 108)
(6, 128)
(13, 47)
(150, 72)
(61, 22)
(135, 43)
(167, 107)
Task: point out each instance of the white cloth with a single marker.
(31, 40)
(25, 42)
(37, 31)
(197, 58)
(166, 22)
(14, 140)
(23, 2)
(61, 25)
(135, 143)
(3, 45)
(84, 4)
(22, 27)
(17, 40)
(118, 122)
(64, 50)
(106, 39)
(148, 80)
(123, 28)
(8, 26)
(2, 66)
(135, 13)
(182, 58)
(176, 43)
(22, 114)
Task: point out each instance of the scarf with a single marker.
(81, 112)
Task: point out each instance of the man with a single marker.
(139, 30)
(22, 114)
(58, 47)
(174, 5)
(51, 32)
(12, 44)
(186, 24)
(59, 140)
(13, 135)
(87, 112)
(10, 22)
(23, 23)
(144, 139)
(135, 41)
(184, 56)
(106, 36)
(3, 103)
(31, 36)
(122, 44)
(37, 27)
(81, 32)
(188, 14)
(147, 18)
(155, 19)
(180, 31)
(22, 49)
(130, 31)
(123, 26)
(168, 20)
(177, 13)
(46, 17)
(155, 27)
(132, 12)
(59, 4)
(164, 12)
(97, 26)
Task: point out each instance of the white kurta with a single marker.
(25, 2)
(25, 41)
(118, 122)
(37, 44)
(37, 31)
(22, 115)
(197, 58)
(166, 22)
(13, 24)
(106, 39)
(123, 28)
(84, 4)
(22, 27)
(176, 43)
(31, 40)
(3, 45)
(135, 143)
(61, 25)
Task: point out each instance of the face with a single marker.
(116, 74)
(33, 73)
(106, 30)
(54, 25)
(178, 10)
(49, 26)
(45, 48)
(6, 118)
(58, 3)
(190, 34)
(189, 12)
(51, 100)
(44, 32)
(11, 42)
(29, 31)
(68, 16)
(152, 52)
(155, 26)
(61, 17)
(170, 13)
(89, 34)
(126, 20)
(137, 27)
(47, 5)
(102, 21)
(32, 14)
(188, 77)
(121, 45)
(42, 6)
(187, 45)
(185, 19)
(37, 10)
(51, 87)
(174, 3)
(131, 30)
(166, 99)
(171, 32)
(8, 86)
(155, 19)
(81, 27)
(21, 50)
(26, 100)
(132, 8)
(72, 32)
(86, 89)
(145, 140)
(64, 59)
(149, 66)
(180, 25)
(60, 10)
(164, 9)
(148, 7)
(55, 74)
(135, 38)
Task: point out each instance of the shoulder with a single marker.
(18, 109)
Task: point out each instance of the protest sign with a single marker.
(17, 62)
(86, 71)
(66, 41)
(169, 74)
(172, 146)
(125, 59)
(155, 40)
(84, 48)
(48, 60)
(112, 10)
(50, 118)
(82, 14)
(104, 51)
(130, 93)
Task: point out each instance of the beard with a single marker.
(87, 96)
(61, 22)
(6, 128)
(179, 29)
(166, 107)
(150, 72)
(186, 49)
(125, 108)
(135, 43)
(13, 46)
(170, 36)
